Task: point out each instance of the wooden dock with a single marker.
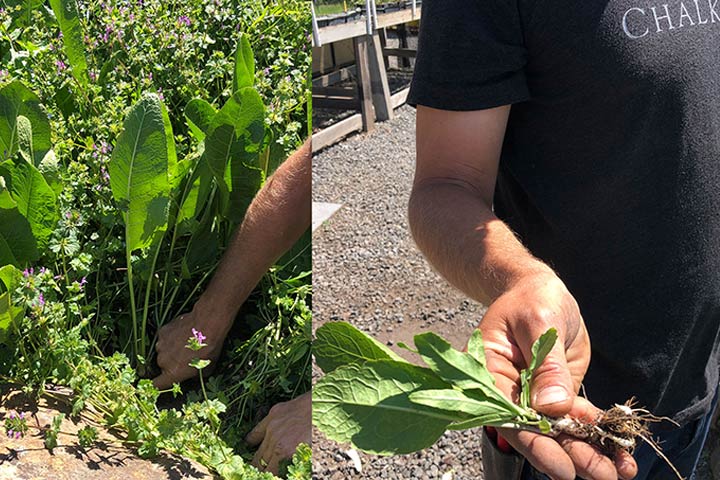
(352, 45)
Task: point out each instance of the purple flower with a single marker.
(12, 415)
(83, 281)
(60, 65)
(18, 435)
(184, 20)
(198, 335)
(10, 433)
(41, 300)
(93, 76)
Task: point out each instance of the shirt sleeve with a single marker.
(471, 55)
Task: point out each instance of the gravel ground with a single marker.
(367, 271)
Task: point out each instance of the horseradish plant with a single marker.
(384, 405)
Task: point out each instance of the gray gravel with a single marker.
(367, 271)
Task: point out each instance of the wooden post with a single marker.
(403, 39)
(383, 44)
(364, 82)
(379, 81)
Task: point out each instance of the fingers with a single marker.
(163, 381)
(259, 459)
(257, 434)
(544, 453)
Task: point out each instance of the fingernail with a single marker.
(550, 396)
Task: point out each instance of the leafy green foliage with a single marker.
(388, 407)
(70, 74)
(87, 436)
(301, 467)
(51, 434)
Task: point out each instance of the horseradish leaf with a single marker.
(339, 343)
(369, 406)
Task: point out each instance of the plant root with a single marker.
(614, 430)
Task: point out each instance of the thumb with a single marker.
(551, 389)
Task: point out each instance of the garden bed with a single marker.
(133, 136)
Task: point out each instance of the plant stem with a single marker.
(132, 297)
(147, 299)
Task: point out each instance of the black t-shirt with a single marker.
(610, 169)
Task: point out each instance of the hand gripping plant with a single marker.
(384, 405)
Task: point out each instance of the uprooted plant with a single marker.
(384, 405)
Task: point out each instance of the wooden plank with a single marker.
(336, 102)
(398, 99)
(335, 133)
(379, 82)
(395, 18)
(337, 76)
(335, 33)
(399, 52)
(362, 59)
(349, 92)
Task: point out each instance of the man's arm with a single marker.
(274, 221)
(453, 223)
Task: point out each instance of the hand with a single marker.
(517, 318)
(173, 357)
(281, 431)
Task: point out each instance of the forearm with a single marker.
(463, 239)
(274, 221)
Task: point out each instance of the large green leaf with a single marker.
(244, 75)
(196, 199)
(17, 243)
(140, 172)
(368, 405)
(35, 199)
(199, 114)
(66, 13)
(232, 148)
(339, 343)
(16, 100)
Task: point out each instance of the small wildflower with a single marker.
(16, 425)
(60, 65)
(41, 300)
(184, 20)
(198, 335)
(83, 281)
